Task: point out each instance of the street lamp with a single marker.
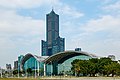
(18, 69)
(35, 68)
(51, 68)
(38, 68)
(26, 69)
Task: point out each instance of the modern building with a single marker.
(33, 62)
(46, 63)
(16, 65)
(112, 57)
(8, 66)
(54, 43)
(19, 61)
(77, 49)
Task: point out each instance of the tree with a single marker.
(15, 72)
(29, 71)
(103, 66)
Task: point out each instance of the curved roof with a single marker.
(58, 57)
(62, 56)
(27, 56)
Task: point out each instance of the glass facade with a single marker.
(33, 64)
(19, 61)
(66, 65)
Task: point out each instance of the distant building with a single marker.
(112, 57)
(8, 66)
(54, 43)
(15, 65)
(19, 61)
(77, 49)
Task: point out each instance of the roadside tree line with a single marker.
(96, 67)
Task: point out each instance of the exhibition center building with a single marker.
(43, 65)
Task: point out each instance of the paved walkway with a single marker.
(83, 78)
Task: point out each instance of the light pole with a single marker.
(44, 69)
(18, 69)
(35, 68)
(38, 68)
(26, 69)
(51, 68)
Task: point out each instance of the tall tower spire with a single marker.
(54, 43)
(52, 8)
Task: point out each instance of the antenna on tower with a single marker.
(52, 8)
(52, 3)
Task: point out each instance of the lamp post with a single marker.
(51, 68)
(35, 68)
(18, 69)
(38, 68)
(26, 69)
(1, 73)
(44, 69)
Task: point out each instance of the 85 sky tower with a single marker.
(54, 43)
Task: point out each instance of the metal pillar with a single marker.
(44, 69)
(38, 68)
(35, 68)
(51, 68)
(26, 69)
(18, 69)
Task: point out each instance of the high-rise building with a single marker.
(54, 43)
(16, 65)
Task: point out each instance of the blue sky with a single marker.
(93, 25)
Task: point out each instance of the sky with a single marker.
(93, 25)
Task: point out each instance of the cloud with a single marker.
(11, 23)
(69, 11)
(113, 8)
(24, 3)
(18, 35)
(104, 23)
(99, 36)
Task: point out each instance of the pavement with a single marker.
(64, 78)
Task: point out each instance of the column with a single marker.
(18, 68)
(26, 69)
(44, 69)
(51, 68)
(35, 68)
(38, 68)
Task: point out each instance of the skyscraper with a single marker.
(54, 43)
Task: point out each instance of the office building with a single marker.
(15, 65)
(54, 43)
